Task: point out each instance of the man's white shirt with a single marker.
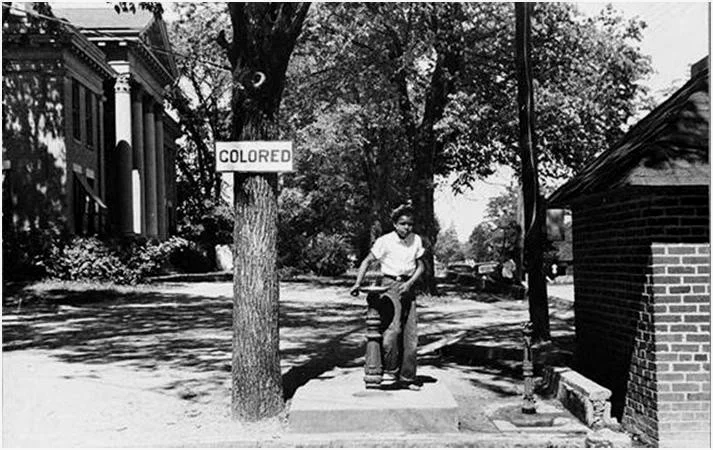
(398, 256)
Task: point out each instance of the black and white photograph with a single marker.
(356, 224)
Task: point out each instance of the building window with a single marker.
(76, 117)
(89, 210)
(89, 116)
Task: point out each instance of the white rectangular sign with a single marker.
(254, 156)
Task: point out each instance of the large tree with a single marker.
(341, 108)
(441, 79)
(586, 81)
(263, 38)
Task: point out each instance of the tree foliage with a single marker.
(201, 98)
(586, 82)
(496, 238)
(448, 248)
(430, 90)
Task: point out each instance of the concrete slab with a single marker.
(338, 402)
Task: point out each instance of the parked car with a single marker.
(487, 276)
(473, 274)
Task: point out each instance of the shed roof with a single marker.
(669, 146)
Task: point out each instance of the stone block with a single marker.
(338, 402)
(584, 398)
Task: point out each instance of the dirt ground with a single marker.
(150, 366)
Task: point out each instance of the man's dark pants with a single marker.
(399, 332)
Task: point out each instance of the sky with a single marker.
(677, 35)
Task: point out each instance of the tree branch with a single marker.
(299, 17)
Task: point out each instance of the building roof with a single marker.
(23, 28)
(667, 147)
(105, 24)
(106, 19)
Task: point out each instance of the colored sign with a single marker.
(253, 156)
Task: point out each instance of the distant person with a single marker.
(399, 253)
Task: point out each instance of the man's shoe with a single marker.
(410, 385)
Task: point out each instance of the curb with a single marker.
(396, 440)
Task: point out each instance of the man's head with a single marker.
(402, 218)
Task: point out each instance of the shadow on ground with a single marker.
(154, 330)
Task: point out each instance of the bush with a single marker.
(88, 259)
(327, 255)
(122, 261)
(213, 226)
(24, 252)
(186, 256)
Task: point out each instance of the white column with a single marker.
(137, 110)
(123, 213)
(160, 177)
(150, 169)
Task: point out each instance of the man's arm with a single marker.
(362, 272)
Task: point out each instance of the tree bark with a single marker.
(257, 382)
(422, 198)
(534, 212)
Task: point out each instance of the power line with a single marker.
(114, 36)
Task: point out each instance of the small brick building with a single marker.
(641, 247)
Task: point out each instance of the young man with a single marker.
(399, 253)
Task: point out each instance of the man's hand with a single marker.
(354, 290)
(405, 287)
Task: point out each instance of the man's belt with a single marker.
(400, 278)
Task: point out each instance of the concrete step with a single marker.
(338, 402)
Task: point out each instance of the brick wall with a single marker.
(619, 290)
(680, 284)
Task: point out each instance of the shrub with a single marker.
(327, 255)
(122, 261)
(211, 226)
(88, 259)
(24, 252)
(289, 273)
(186, 256)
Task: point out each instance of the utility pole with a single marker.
(533, 203)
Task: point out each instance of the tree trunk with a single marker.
(534, 213)
(422, 198)
(264, 35)
(257, 382)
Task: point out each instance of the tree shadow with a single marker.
(152, 330)
(35, 192)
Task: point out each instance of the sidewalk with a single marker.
(151, 366)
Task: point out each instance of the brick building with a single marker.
(87, 145)
(641, 246)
